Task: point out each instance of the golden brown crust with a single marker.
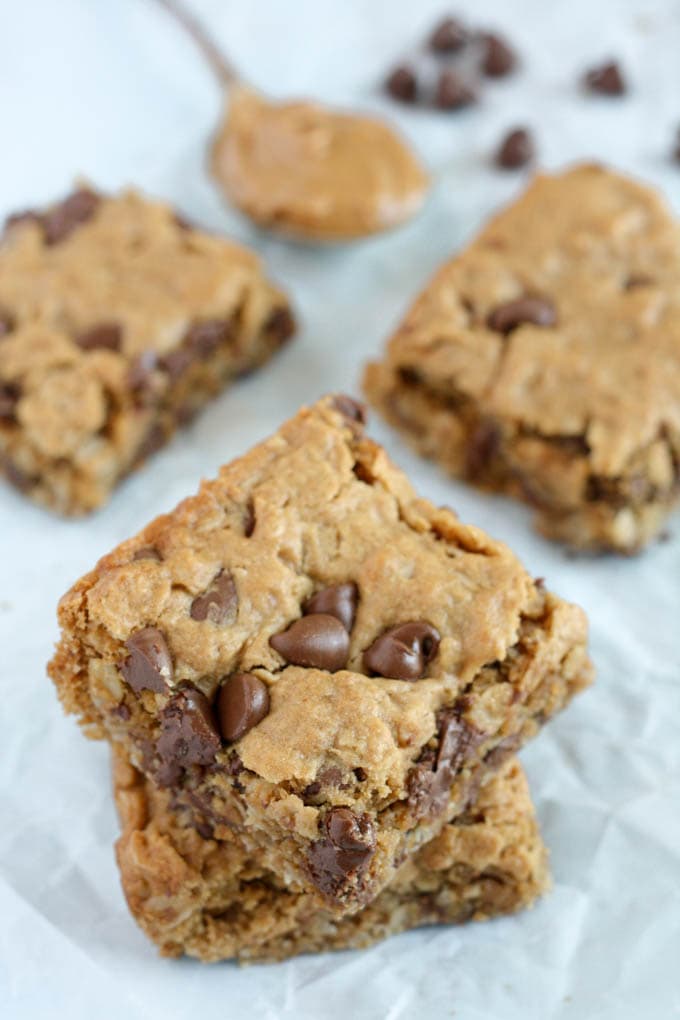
(113, 335)
(579, 417)
(204, 898)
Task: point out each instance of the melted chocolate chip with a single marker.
(539, 311)
(483, 445)
(280, 325)
(448, 37)
(516, 150)
(344, 853)
(498, 58)
(234, 766)
(148, 667)
(502, 751)
(105, 336)
(249, 519)
(188, 732)
(7, 324)
(141, 378)
(318, 641)
(452, 92)
(9, 398)
(203, 338)
(183, 222)
(340, 600)
(403, 652)
(60, 222)
(15, 476)
(429, 781)
(219, 602)
(402, 84)
(176, 362)
(153, 441)
(350, 408)
(636, 280)
(242, 703)
(606, 80)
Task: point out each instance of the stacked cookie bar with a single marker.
(315, 683)
(118, 322)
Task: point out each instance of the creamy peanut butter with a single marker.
(314, 173)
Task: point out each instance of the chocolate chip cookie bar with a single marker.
(207, 898)
(308, 657)
(544, 361)
(118, 321)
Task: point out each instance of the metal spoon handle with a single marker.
(223, 69)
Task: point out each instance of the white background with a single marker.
(111, 89)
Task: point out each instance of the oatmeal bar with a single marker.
(205, 897)
(544, 361)
(309, 656)
(118, 321)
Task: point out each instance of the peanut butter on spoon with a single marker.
(303, 169)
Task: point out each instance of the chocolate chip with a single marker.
(502, 751)
(350, 408)
(328, 777)
(516, 149)
(452, 92)
(58, 223)
(147, 552)
(483, 444)
(185, 414)
(242, 703)
(203, 338)
(219, 602)
(344, 853)
(153, 441)
(402, 84)
(318, 641)
(539, 311)
(234, 766)
(606, 80)
(498, 57)
(175, 363)
(183, 222)
(403, 652)
(148, 667)
(7, 324)
(280, 325)
(141, 378)
(105, 336)
(188, 732)
(635, 280)
(409, 376)
(429, 781)
(249, 519)
(15, 476)
(340, 600)
(9, 398)
(448, 37)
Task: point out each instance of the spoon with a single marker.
(302, 169)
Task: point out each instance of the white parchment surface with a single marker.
(112, 90)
